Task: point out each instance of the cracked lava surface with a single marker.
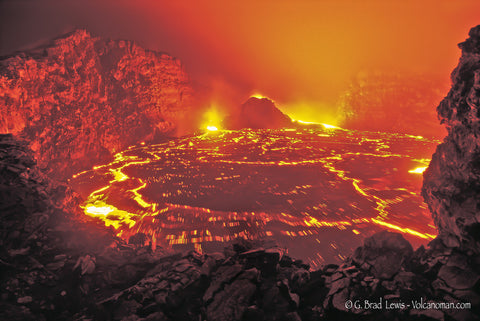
(317, 192)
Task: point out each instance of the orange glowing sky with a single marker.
(291, 51)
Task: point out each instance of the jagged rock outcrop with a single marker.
(258, 113)
(50, 262)
(249, 282)
(24, 193)
(82, 98)
(451, 185)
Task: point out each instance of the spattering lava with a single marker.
(317, 192)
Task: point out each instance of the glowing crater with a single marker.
(325, 189)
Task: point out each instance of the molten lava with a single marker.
(313, 190)
(212, 119)
(212, 128)
(418, 170)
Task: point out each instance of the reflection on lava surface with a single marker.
(316, 192)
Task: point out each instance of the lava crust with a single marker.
(325, 188)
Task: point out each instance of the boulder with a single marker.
(385, 252)
(230, 303)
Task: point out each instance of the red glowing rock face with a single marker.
(82, 98)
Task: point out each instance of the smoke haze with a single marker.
(296, 52)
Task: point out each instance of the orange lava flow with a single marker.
(279, 184)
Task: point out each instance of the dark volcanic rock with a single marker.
(28, 199)
(258, 113)
(230, 303)
(457, 278)
(52, 264)
(82, 98)
(384, 253)
(31, 235)
(452, 181)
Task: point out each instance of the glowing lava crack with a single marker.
(316, 192)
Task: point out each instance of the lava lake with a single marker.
(316, 190)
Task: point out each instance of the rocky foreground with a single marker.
(56, 267)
